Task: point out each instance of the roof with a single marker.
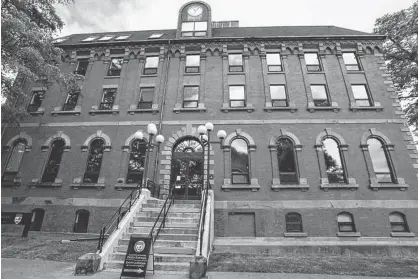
(232, 32)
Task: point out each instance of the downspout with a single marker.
(160, 123)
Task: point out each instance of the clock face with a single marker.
(195, 10)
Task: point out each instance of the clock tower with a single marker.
(194, 20)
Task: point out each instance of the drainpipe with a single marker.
(160, 123)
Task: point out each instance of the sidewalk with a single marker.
(39, 269)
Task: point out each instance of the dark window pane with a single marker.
(352, 67)
(145, 98)
(94, 161)
(115, 67)
(150, 71)
(192, 69)
(346, 228)
(236, 68)
(108, 98)
(191, 96)
(71, 101)
(345, 222)
(275, 68)
(313, 68)
(287, 162)
(379, 160)
(82, 67)
(36, 101)
(293, 222)
(335, 170)
(136, 161)
(239, 161)
(81, 221)
(54, 161)
(14, 161)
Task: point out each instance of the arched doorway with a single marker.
(187, 165)
(37, 219)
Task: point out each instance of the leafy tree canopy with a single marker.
(401, 54)
(28, 53)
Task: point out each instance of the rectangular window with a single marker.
(191, 97)
(71, 100)
(115, 67)
(361, 95)
(36, 101)
(237, 96)
(192, 63)
(350, 61)
(194, 29)
(312, 62)
(235, 62)
(278, 95)
(82, 65)
(320, 96)
(151, 65)
(146, 95)
(108, 98)
(274, 62)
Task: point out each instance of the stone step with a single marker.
(165, 236)
(171, 214)
(175, 205)
(166, 230)
(162, 249)
(120, 256)
(114, 265)
(172, 209)
(172, 266)
(169, 219)
(167, 243)
(167, 224)
(175, 201)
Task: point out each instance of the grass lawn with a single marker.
(45, 246)
(336, 265)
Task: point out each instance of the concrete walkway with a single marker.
(39, 269)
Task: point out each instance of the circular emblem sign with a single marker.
(139, 246)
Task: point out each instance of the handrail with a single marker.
(202, 218)
(154, 188)
(165, 208)
(113, 223)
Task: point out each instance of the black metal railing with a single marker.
(163, 214)
(154, 189)
(113, 223)
(202, 218)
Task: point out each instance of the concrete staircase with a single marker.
(176, 243)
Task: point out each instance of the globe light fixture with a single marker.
(209, 126)
(221, 134)
(202, 130)
(159, 139)
(139, 135)
(152, 129)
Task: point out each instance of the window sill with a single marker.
(334, 107)
(315, 72)
(134, 109)
(292, 107)
(377, 107)
(40, 111)
(57, 111)
(16, 183)
(121, 186)
(87, 185)
(295, 234)
(110, 77)
(348, 234)
(376, 187)
(355, 72)
(351, 185)
(236, 73)
(227, 108)
(150, 75)
(45, 185)
(191, 74)
(114, 110)
(253, 186)
(201, 108)
(402, 234)
(277, 187)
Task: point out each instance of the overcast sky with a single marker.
(88, 16)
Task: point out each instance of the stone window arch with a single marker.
(331, 150)
(242, 140)
(94, 152)
(13, 152)
(81, 221)
(54, 151)
(377, 150)
(287, 173)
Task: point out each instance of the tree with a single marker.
(28, 52)
(401, 53)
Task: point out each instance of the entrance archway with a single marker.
(187, 168)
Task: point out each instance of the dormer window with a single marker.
(60, 40)
(155, 35)
(122, 37)
(89, 39)
(106, 38)
(194, 29)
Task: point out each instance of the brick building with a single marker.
(316, 143)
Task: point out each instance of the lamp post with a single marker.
(152, 131)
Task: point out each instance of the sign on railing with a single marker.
(136, 259)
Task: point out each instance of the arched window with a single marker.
(136, 161)
(293, 222)
(346, 222)
(380, 163)
(333, 162)
(94, 161)
(14, 161)
(288, 173)
(54, 161)
(37, 219)
(398, 222)
(239, 162)
(81, 221)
